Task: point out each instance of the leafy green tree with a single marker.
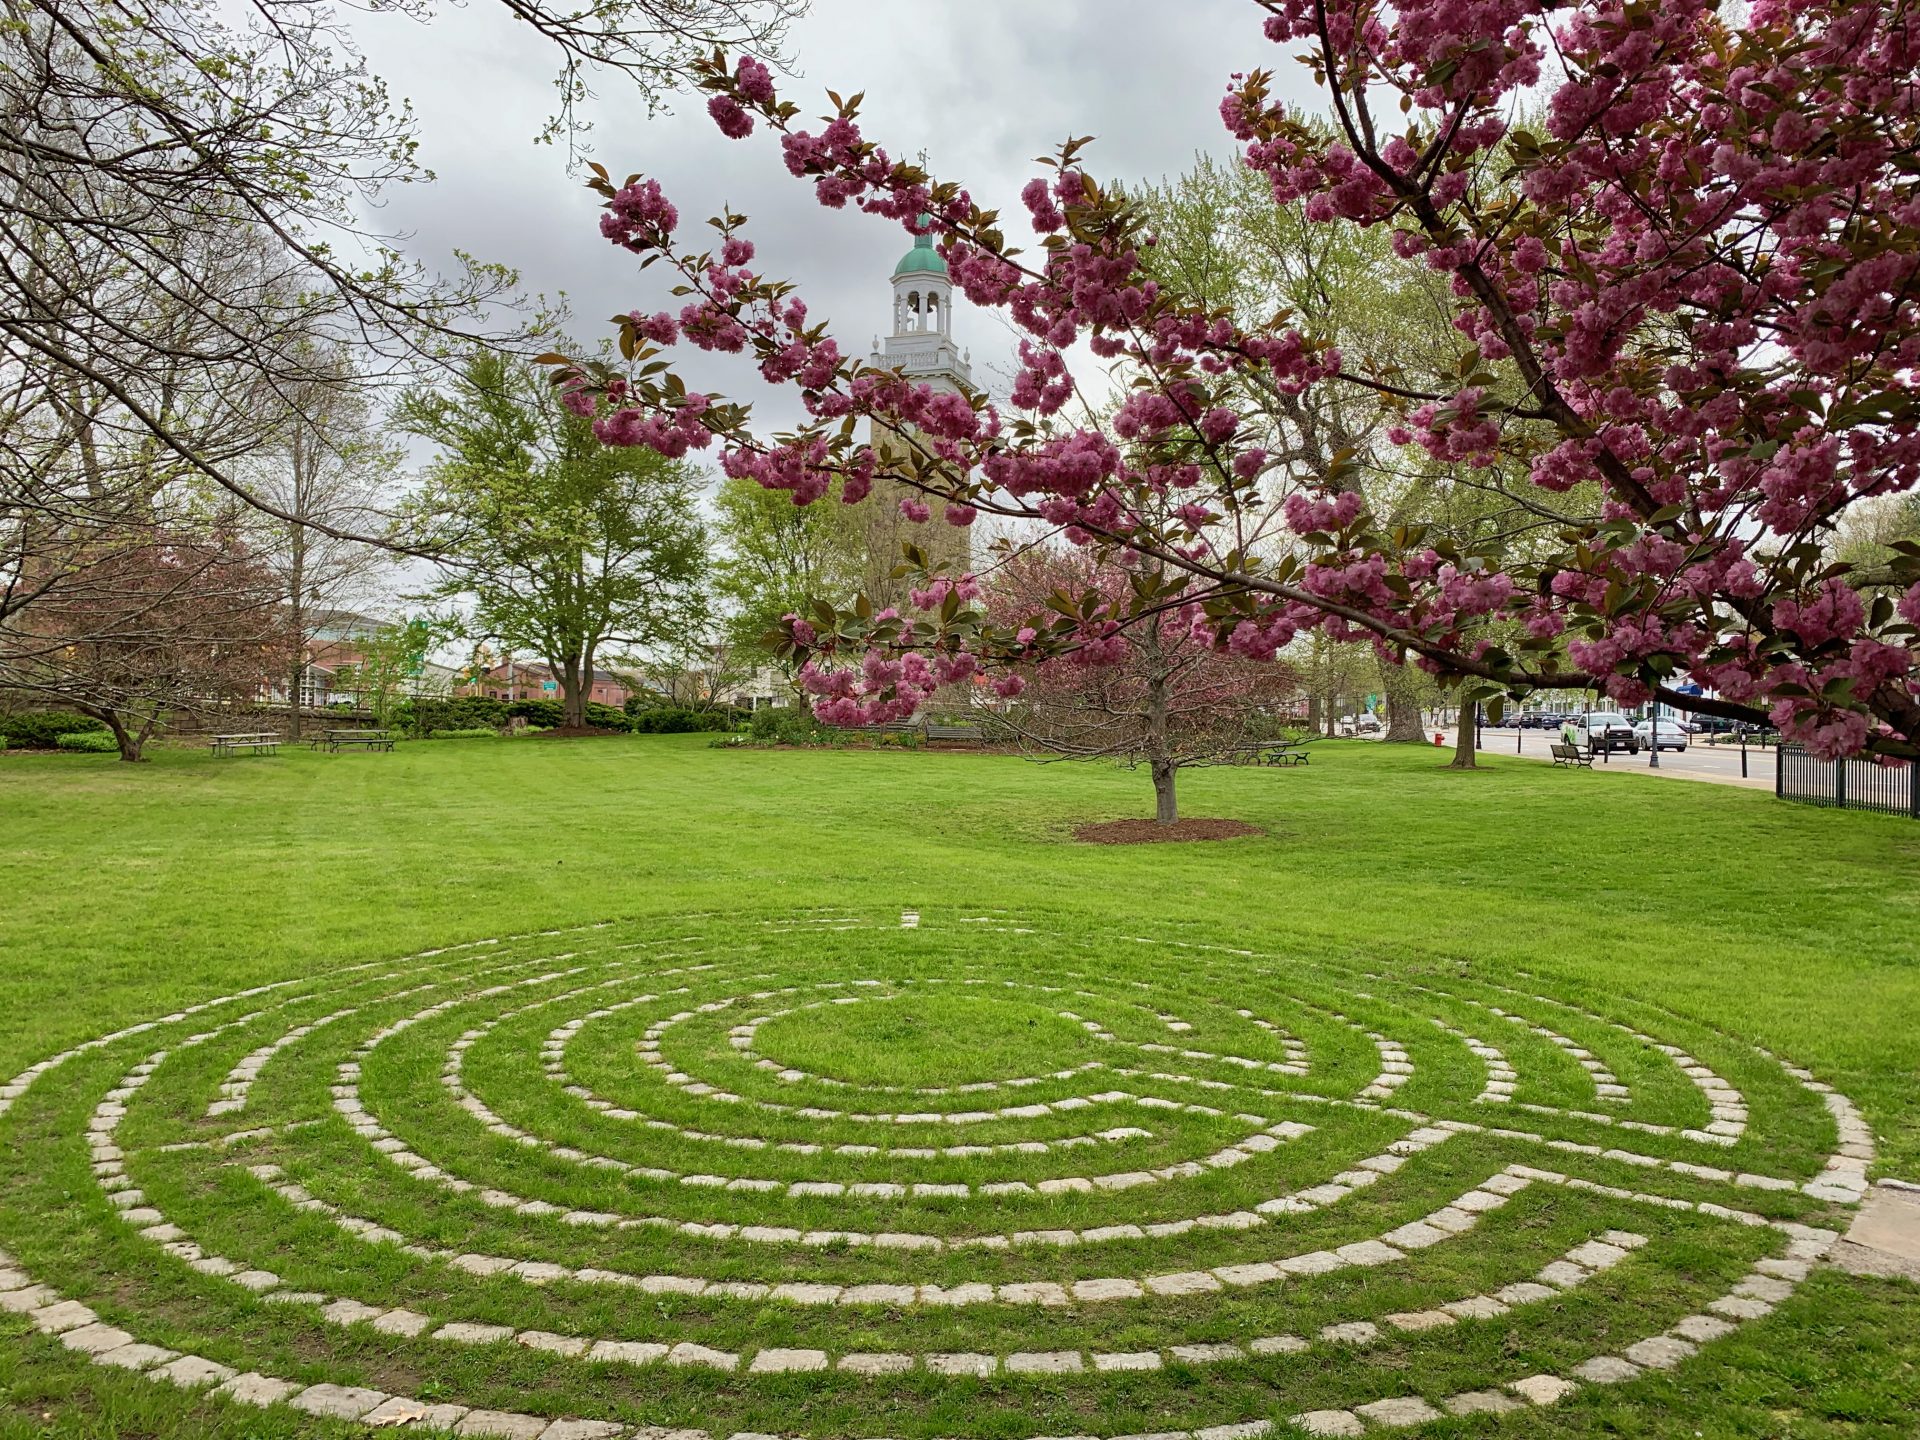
(1221, 241)
(1867, 540)
(556, 544)
(393, 661)
(775, 555)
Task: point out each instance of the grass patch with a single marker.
(734, 995)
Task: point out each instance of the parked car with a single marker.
(1715, 725)
(1600, 732)
(1671, 735)
(1363, 724)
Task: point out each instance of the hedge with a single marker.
(469, 712)
(550, 713)
(91, 742)
(674, 720)
(42, 729)
(607, 717)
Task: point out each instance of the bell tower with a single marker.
(922, 349)
(921, 344)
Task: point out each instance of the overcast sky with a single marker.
(983, 86)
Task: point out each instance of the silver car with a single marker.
(1672, 734)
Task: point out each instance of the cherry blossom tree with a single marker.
(169, 621)
(1693, 286)
(1152, 690)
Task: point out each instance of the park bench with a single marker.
(338, 740)
(260, 743)
(968, 734)
(1565, 754)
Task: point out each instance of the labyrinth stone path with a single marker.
(840, 1175)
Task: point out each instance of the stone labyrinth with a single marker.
(837, 1175)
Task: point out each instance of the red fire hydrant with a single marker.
(1438, 740)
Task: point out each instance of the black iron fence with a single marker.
(1856, 784)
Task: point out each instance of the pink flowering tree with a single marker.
(1693, 286)
(1124, 670)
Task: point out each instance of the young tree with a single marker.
(181, 623)
(1694, 289)
(393, 661)
(328, 471)
(694, 673)
(562, 546)
(774, 556)
(1144, 682)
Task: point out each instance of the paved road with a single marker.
(1716, 764)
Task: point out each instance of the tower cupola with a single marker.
(922, 339)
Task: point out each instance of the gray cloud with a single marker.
(983, 86)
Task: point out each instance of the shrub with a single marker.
(607, 717)
(549, 713)
(42, 729)
(89, 742)
(672, 720)
(793, 725)
(468, 712)
(1275, 727)
(477, 733)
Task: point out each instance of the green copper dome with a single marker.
(923, 259)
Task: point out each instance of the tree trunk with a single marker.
(1166, 805)
(1463, 742)
(1406, 725)
(293, 691)
(296, 613)
(573, 698)
(130, 743)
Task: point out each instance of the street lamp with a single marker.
(1653, 734)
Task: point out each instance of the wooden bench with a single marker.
(338, 740)
(1565, 754)
(260, 743)
(971, 734)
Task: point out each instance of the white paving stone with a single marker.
(1331, 1423)
(337, 1402)
(769, 1362)
(1397, 1413)
(1048, 1362)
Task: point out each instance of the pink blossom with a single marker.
(639, 217)
(734, 122)
(755, 81)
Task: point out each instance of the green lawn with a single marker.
(734, 920)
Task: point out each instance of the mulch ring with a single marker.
(1151, 832)
(575, 732)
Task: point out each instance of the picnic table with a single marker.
(1273, 752)
(338, 740)
(256, 743)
